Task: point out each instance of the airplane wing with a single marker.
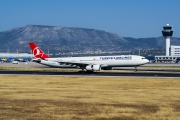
(73, 62)
(79, 63)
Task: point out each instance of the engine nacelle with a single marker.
(93, 68)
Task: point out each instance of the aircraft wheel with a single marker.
(135, 70)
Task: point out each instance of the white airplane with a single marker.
(92, 63)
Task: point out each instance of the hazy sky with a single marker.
(127, 18)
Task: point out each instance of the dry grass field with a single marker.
(88, 98)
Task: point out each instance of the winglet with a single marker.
(37, 52)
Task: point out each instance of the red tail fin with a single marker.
(37, 52)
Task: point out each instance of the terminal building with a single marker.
(172, 51)
(175, 50)
(9, 57)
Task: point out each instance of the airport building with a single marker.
(166, 59)
(175, 50)
(9, 57)
(172, 52)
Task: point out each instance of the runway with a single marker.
(144, 71)
(37, 65)
(95, 74)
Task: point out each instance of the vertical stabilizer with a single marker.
(37, 52)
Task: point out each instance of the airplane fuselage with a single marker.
(103, 61)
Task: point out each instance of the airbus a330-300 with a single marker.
(91, 63)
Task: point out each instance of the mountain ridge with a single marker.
(67, 39)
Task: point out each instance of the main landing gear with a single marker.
(83, 69)
(135, 70)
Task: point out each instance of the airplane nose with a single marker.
(146, 60)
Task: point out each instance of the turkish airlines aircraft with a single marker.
(92, 63)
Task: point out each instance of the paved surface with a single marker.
(118, 72)
(110, 74)
(24, 65)
(162, 64)
(37, 65)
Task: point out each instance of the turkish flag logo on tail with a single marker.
(37, 52)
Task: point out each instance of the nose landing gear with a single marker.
(135, 70)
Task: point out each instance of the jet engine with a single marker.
(93, 68)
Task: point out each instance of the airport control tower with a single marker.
(167, 33)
